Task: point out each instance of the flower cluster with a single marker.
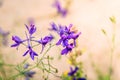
(29, 39)
(67, 37)
(60, 9)
(67, 40)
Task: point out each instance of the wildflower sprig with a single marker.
(43, 62)
(29, 39)
(67, 39)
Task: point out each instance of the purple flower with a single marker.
(28, 74)
(54, 27)
(26, 66)
(4, 35)
(79, 78)
(66, 35)
(67, 49)
(72, 72)
(45, 40)
(74, 37)
(31, 29)
(31, 52)
(17, 41)
(59, 8)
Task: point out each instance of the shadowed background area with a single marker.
(88, 16)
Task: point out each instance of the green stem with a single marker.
(112, 52)
(44, 54)
(13, 77)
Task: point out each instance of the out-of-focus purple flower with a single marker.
(54, 27)
(31, 29)
(28, 74)
(31, 21)
(26, 66)
(79, 78)
(4, 35)
(17, 41)
(45, 40)
(31, 52)
(72, 72)
(59, 8)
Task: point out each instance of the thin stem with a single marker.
(112, 52)
(32, 68)
(47, 51)
(13, 77)
(36, 45)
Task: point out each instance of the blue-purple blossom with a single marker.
(79, 78)
(28, 74)
(45, 40)
(66, 34)
(67, 49)
(54, 27)
(31, 29)
(72, 72)
(4, 35)
(26, 66)
(17, 41)
(31, 52)
(60, 9)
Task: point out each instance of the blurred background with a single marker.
(88, 16)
